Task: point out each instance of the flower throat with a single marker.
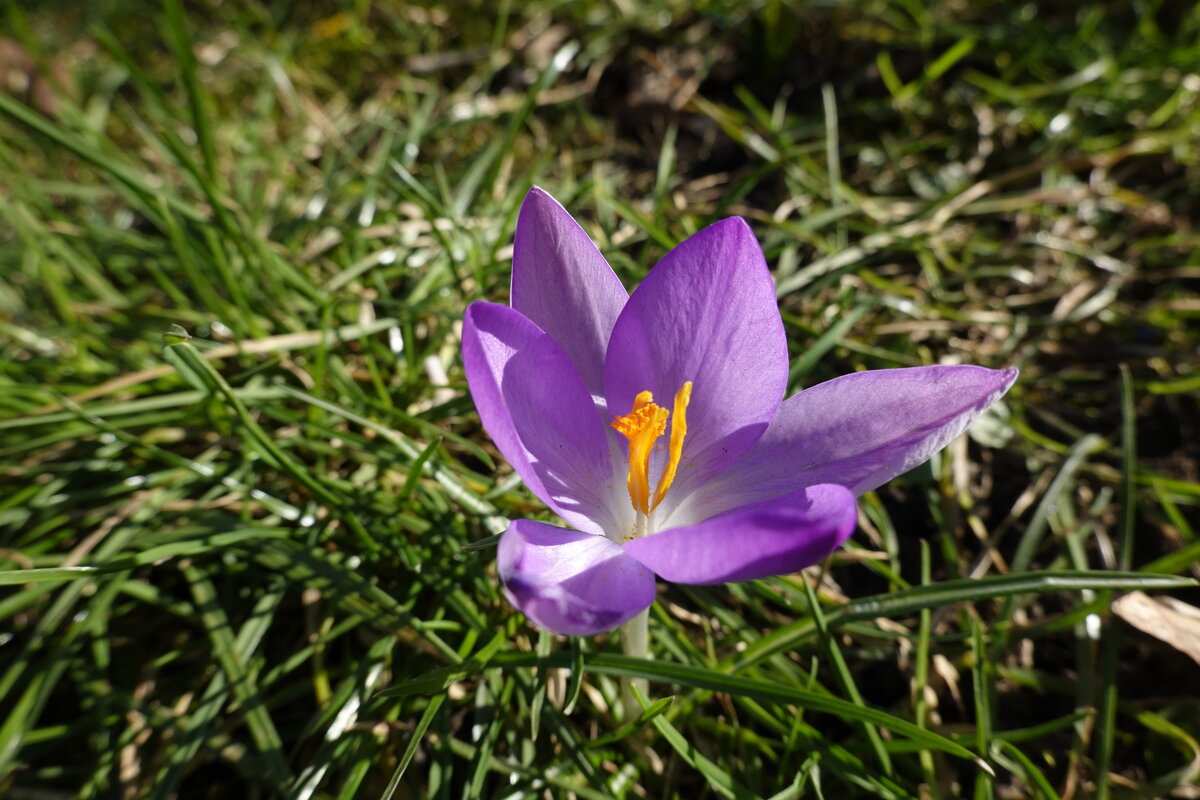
(642, 427)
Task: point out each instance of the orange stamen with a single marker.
(678, 431)
(642, 427)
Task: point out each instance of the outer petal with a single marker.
(774, 537)
(569, 582)
(706, 313)
(562, 283)
(859, 430)
(538, 412)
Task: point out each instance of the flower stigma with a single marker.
(642, 427)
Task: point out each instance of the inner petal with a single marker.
(706, 313)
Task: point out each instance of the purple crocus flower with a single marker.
(655, 424)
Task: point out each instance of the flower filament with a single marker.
(642, 427)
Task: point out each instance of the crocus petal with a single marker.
(774, 537)
(570, 582)
(562, 283)
(859, 430)
(706, 313)
(540, 415)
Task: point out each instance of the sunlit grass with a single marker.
(245, 501)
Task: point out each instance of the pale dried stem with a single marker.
(635, 640)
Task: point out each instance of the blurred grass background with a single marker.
(245, 500)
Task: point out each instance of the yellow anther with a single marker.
(678, 431)
(642, 427)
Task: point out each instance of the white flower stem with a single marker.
(635, 640)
